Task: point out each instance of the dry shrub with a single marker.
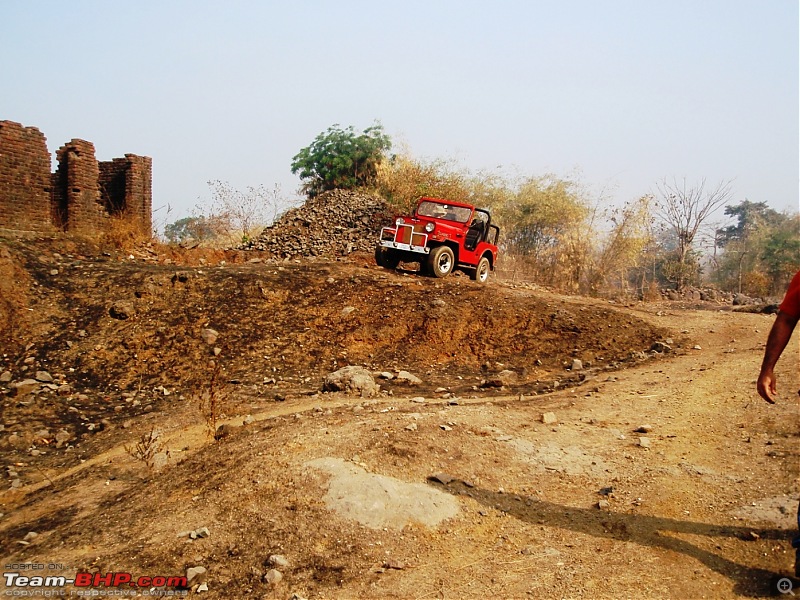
(517, 268)
(403, 180)
(225, 239)
(123, 232)
(212, 400)
(240, 213)
(146, 448)
(755, 283)
(651, 292)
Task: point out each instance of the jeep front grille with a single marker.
(403, 237)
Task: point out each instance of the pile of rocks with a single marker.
(334, 224)
(693, 294)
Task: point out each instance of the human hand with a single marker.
(766, 385)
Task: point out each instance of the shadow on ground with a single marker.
(645, 530)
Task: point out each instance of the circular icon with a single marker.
(785, 586)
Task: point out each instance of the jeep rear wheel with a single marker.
(481, 273)
(441, 261)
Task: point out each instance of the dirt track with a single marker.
(701, 508)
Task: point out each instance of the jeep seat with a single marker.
(474, 234)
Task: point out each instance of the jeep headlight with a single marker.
(429, 227)
(399, 221)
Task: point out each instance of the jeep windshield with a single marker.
(440, 210)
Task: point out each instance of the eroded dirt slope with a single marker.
(122, 332)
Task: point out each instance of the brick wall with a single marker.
(139, 190)
(25, 186)
(125, 188)
(77, 180)
(82, 193)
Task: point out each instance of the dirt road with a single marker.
(658, 478)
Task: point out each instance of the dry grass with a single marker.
(14, 286)
(124, 233)
(404, 180)
(146, 448)
(212, 400)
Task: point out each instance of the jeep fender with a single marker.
(452, 245)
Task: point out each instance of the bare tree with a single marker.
(684, 209)
(240, 213)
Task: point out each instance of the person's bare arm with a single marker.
(776, 342)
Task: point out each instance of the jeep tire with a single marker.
(481, 272)
(386, 258)
(425, 267)
(441, 261)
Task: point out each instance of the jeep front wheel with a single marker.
(386, 258)
(442, 261)
(481, 273)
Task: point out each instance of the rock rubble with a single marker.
(332, 225)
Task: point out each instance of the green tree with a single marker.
(760, 250)
(751, 217)
(341, 159)
(743, 242)
(188, 227)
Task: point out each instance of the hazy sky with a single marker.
(620, 92)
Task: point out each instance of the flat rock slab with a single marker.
(378, 501)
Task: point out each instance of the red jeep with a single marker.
(442, 235)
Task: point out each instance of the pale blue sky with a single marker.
(623, 92)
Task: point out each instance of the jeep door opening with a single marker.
(441, 236)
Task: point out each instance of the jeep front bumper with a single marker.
(403, 237)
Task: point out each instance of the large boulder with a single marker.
(504, 378)
(352, 379)
(408, 378)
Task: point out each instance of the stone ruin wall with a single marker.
(80, 196)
